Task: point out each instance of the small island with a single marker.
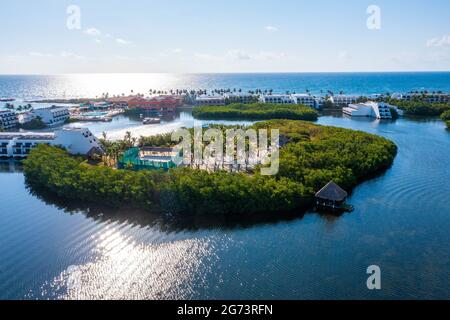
(311, 156)
(255, 111)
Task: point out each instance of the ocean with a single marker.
(33, 87)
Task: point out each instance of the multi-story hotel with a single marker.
(277, 98)
(427, 97)
(344, 100)
(8, 119)
(240, 98)
(379, 110)
(210, 101)
(76, 141)
(52, 116)
(305, 99)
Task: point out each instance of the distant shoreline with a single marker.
(223, 73)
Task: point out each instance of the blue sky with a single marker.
(223, 36)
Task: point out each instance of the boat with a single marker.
(151, 121)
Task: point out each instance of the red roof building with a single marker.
(163, 104)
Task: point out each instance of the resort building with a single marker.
(278, 99)
(160, 103)
(120, 101)
(26, 117)
(344, 100)
(379, 110)
(52, 116)
(305, 99)
(210, 101)
(423, 96)
(8, 119)
(76, 141)
(148, 158)
(319, 102)
(240, 98)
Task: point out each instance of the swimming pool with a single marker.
(95, 114)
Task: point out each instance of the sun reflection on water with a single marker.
(126, 269)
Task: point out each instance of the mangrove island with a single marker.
(310, 157)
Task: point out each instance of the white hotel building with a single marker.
(305, 99)
(379, 110)
(75, 141)
(210, 101)
(344, 100)
(8, 119)
(302, 98)
(277, 99)
(53, 116)
(240, 97)
(428, 97)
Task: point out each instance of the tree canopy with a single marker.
(256, 111)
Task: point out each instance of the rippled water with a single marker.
(50, 249)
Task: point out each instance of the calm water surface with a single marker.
(50, 249)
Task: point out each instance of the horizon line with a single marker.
(209, 73)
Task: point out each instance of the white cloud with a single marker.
(271, 28)
(405, 58)
(206, 56)
(93, 32)
(123, 58)
(344, 55)
(265, 55)
(444, 41)
(70, 55)
(98, 41)
(122, 41)
(239, 55)
(40, 54)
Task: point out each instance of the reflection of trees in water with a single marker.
(11, 166)
(167, 222)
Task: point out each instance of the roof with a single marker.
(26, 136)
(332, 192)
(121, 99)
(7, 111)
(157, 149)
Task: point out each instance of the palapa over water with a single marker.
(331, 194)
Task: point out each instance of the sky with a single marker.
(215, 36)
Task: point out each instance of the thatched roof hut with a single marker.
(332, 193)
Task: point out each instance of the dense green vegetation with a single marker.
(255, 111)
(420, 108)
(446, 117)
(313, 156)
